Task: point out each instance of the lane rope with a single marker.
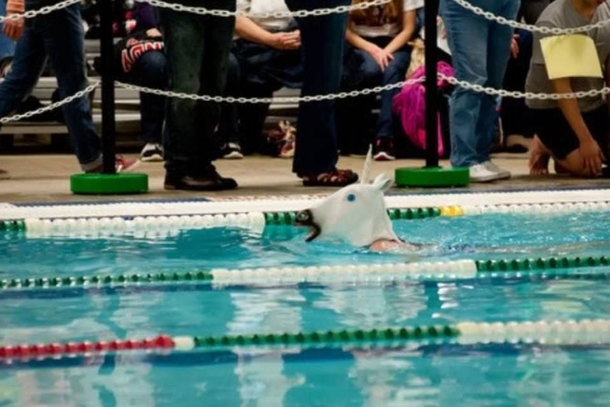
(551, 267)
(583, 332)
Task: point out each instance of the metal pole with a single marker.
(108, 106)
(431, 11)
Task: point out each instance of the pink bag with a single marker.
(410, 106)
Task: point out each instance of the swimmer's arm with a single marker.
(571, 111)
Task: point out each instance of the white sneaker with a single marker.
(152, 152)
(504, 174)
(480, 173)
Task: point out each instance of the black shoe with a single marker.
(207, 182)
(384, 149)
(152, 152)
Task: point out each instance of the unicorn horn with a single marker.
(366, 171)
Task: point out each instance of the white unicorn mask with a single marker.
(356, 214)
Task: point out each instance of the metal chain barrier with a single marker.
(515, 24)
(41, 11)
(277, 14)
(520, 95)
(292, 99)
(52, 106)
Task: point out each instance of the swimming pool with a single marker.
(139, 270)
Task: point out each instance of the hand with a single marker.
(153, 33)
(381, 56)
(13, 28)
(514, 46)
(592, 156)
(439, 23)
(285, 41)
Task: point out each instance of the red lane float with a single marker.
(80, 348)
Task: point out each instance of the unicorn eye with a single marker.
(351, 198)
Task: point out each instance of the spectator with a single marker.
(197, 49)
(268, 54)
(58, 36)
(574, 132)
(322, 39)
(380, 37)
(516, 120)
(480, 50)
(140, 60)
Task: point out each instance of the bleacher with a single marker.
(127, 107)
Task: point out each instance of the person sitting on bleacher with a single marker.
(58, 36)
(140, 60)
(268, 54)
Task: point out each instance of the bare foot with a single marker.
(539, 159)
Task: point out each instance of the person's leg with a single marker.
(467, 38)
(498, 53)
(64, 42)
(151, 71)
(228, 128)
(184, 47)
(29, 60)
(252, 116)
(213, 75)
(323, 40)
(395, 72)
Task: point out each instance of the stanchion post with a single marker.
(431, 11)
(432, 175)
(108, 103)
(108, 182)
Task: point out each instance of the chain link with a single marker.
(277, 14)
(41, 11)
(527, 27)
(52, 106)
(527, 95)
(290, 99)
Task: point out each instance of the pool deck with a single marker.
(45, 178)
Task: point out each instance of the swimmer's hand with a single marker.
(395, 246)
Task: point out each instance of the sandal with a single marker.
(334, 178)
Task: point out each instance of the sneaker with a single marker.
(504, 174)
(231, 151)
(152, 152)
(4, 175)
(480, 173)
(122, 165)
(384, 149)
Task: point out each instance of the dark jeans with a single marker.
(322, 39)
(150, 71)
(257, 71)
(58, 36)
(197, 49)
(516, 116)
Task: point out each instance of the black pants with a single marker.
(197, 49)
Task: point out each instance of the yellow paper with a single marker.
(569, 56)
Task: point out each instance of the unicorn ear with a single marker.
(366, 170)
(383, 183)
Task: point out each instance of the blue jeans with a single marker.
(480, 50)
(322, 39)
(7, 46)
(58, 36)
(394, 72)
(150, 71)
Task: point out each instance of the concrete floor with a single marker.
(45, 178)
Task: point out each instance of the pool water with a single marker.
(413, 375)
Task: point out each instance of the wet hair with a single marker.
(389, 13)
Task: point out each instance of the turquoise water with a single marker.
(494, 375)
